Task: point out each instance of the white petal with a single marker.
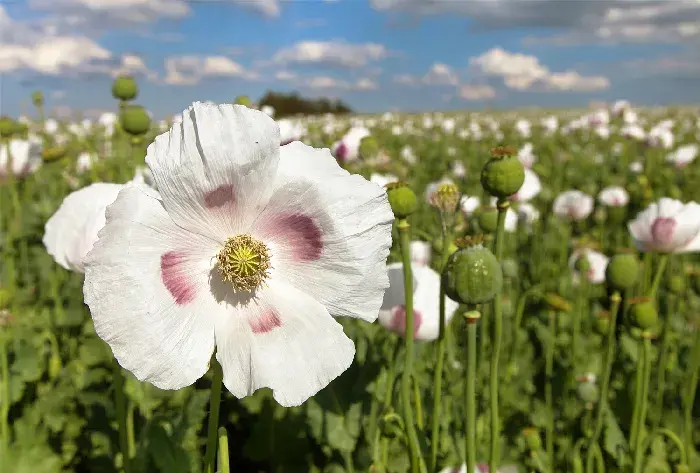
(284, 340)
(147, 286)
(329, 232)
(215, 168)
(70, 232)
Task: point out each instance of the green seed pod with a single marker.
(37, 98)
(643, 314)
(502, 175)
(510, 268)
(532, 437)
(243, 100)
(402, 199)
(135, 120)
(582, 264)
(588, 392)
(472, 275)
(488, 220)
(616, 215)
(369, 147)
(125, 88)
(622, 271)
(54, 153)
(602, 323)
(7, 127)
(676, 284)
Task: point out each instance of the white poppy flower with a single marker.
(347, 149)
(597, 261)
(290, 130)
(72, 231)
(530, 188)
(420, 253)
(526, 156)
(667, 226)
(84, 162)
(51, 126)
(469, 204)
(636, 167)
(459, 170)
(382, 179)
(26, 157)
(426, 303)
(524, 128)
(614, 196)
(480, 468)
(527, 214)
(683, 156)
(268, 110)
(251, 249)
(573, 204)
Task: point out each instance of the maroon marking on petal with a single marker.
(398, 320)
(301, 233)
(662, 230)
(219, 196)
(175, 277)
(266, 322)
(286, 142)
(341, 152)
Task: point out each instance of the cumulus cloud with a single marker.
(524, 72)
(581, 21)
(476, 92)
(190, 70)
(333, 53)
(438, 74)
(327, 83)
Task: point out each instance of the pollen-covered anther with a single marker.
(244, 262)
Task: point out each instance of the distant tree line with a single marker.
(293, 104)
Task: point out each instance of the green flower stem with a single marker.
(646, 355)
(442, 341)
(5, 397)
(608, 359)
(576, 322)
(404, 229)
(672, 437)
(497, 335)
(689, 397)
(417, 403)
(645, 280)
(663, 259)
(120, 404)
(212, 428)
(223, 463)
(564, 248)
(664, 350)
(388, 394)
(599, 461)
(130, 437)
(470, 390)
(638, 384)
(548, 394)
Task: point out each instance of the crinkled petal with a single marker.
(329, 232)
(147, 286)
(281, 339)
(214, 169)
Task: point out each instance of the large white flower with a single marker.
(420, 253)
(683, 156)
(25, 156)
(426, 303)
(347, 149)
(667, 226)
(597, 263)
(614, 196)
(72, 231)
(251, 249)
(530, 188)
(573, 204)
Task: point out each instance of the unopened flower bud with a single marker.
(622, 271)
(7, 127)
(582, 264)
(243, 100)
(676, 284)
(557, 303)
(488, 220)
(602, 323)
(502, 175)
(53, 153)
(510, 268)
(125, 88)
(588, 392)
(643, 313)
(532, 437)
(402, 199)
(472, 274)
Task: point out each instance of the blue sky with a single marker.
(376, 55)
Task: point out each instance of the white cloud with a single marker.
(285, 76)
(476, 92)
(440, 74)
(334, 53)
(366, 84)
(190, 70)
(134, 65)
(52, 55)
(405, 79)
(328, 83)
(524, 72)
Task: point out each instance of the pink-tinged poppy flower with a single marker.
(347, 149)
(597, 262)
(573, 204)
(426, 303)
(72, 231)
(252, 250)
(667, 226)
(683, 156)
(614, 196)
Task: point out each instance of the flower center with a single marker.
(244, 262)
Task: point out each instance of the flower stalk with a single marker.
(212, 428)
(470, 389)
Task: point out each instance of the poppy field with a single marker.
(512, 291)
